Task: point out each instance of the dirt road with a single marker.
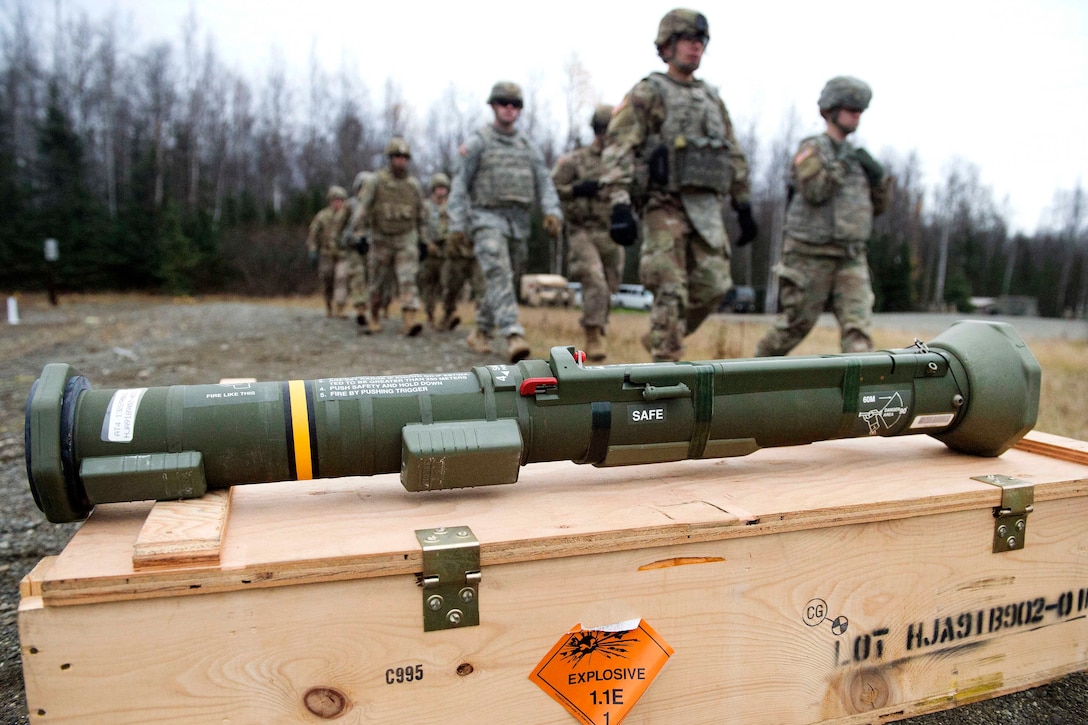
(130, 341)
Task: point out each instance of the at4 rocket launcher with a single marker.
(975, 387)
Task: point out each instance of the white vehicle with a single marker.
(633, 297)
(575, 289)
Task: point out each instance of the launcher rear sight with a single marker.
(974, 387)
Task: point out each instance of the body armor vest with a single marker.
(847, 217)
(694, 138)
(396, 204)
(439, 221)
(583, 211)
(504, 176)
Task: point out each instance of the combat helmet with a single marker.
(845, 92)
(505, 91)
(439, 179)
(336, 192)
(681, 21)
(602, 114)
(398, 147)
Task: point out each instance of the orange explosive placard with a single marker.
(599, 674)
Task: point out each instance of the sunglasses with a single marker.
(507, 102)
(693, 37)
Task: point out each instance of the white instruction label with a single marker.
(120, 422)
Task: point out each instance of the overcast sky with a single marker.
(1000, 83)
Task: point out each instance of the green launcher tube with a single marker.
(975, 387)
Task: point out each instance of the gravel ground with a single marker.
(139, 341)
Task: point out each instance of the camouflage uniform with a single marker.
(493, 192)
(594, 260)
(394, 221)
(460, 267)
(332, 265)
(683, 134)
(349, 241)
(430, 267)
(828, 222)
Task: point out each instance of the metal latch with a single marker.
(450, 578)
(1011, 517)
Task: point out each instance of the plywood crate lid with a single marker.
(334, 529)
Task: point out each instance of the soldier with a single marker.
(671, 143)
(323, 246)
(500, 178)
(835, 192)
(593, 258)
(355, 248)
(393, 221)
(434, 256)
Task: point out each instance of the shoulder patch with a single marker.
(807, 163)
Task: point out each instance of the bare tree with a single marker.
(968, 226)
(159, 96)
(315, 158)
(397, 112)
(773, 182)
(537, 121)
(1071, 225)
(23, 90)
(580, 98)
(450, 121)
(275, 137)
(356, 140)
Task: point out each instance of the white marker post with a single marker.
(13, 310)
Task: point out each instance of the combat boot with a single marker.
(594, 346)
(516, 348)
(449, 322)
(373, 323)
(412, 326)
(478, 341)
(360, 318)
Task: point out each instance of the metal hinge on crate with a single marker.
(450, 578)
(1011, 517)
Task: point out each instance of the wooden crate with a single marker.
(848, 581)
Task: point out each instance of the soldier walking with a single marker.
(393, 221)
(434, 254)
(593, 259)
(355, 248)
(674, 132)
(501, 176)
(836, 189)
(325, 252)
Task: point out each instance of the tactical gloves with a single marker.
(586, 189)
(623, 227)
(552, 225)
(311, 257)
(362, 246)
(748, 229)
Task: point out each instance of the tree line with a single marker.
(161, 168)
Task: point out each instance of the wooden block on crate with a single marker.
(183, 533)
(848, 582)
